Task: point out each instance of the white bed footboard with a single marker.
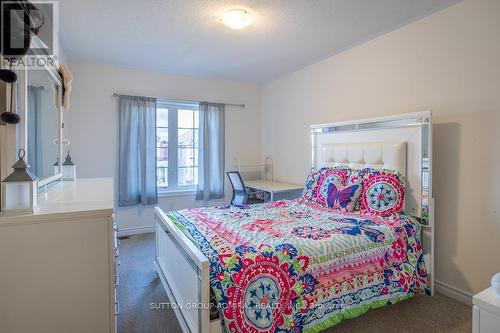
(184, 272)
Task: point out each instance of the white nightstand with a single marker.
(486, 312)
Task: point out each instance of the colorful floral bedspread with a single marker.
(289, 266)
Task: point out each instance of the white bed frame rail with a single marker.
(184, 272)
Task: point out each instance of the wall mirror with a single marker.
(43, 125)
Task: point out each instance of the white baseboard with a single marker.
(135, 230)
(453, 292)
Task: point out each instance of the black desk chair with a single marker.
(241, 196)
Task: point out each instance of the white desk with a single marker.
(275, 189)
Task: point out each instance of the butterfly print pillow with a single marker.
(326, 177)
(343, 197)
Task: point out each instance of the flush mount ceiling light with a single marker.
(237, 18)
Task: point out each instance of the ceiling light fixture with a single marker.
(237, 19)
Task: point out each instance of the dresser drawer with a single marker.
(485, 321)
(52, 291)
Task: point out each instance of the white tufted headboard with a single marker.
(376, 155)
(402, 143)
(397, 148)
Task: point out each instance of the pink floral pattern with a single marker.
(313, 233)
(383, 193)
(326, 177)
(266, 288)
(268, 226)
(293, 266)
(311, 186)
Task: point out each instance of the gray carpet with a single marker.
(140, 286)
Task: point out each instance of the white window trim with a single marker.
(174, 189)
(163, 192)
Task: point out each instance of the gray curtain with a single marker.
(137, 151)
(211, 152)
(34, 159)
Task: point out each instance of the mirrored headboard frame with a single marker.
(364, 130)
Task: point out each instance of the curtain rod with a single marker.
(181, 100)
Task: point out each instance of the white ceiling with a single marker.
(184, 36)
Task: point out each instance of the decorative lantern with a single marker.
(20, 189)
(68, 169)
(56, 166)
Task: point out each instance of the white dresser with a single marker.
(486, 312)
(57, 267)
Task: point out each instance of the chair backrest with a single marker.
(240, 194)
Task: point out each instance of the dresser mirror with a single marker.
(43, 125)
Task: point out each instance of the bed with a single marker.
(296, 266)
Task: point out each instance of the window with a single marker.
(176, 145)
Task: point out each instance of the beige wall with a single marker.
(92, 122)
(448, 62)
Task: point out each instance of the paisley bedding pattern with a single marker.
(294, 266)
